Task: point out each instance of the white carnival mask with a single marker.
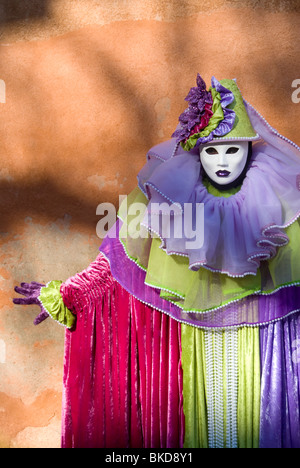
(224, 162)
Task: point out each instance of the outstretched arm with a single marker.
(31, 292)
(49, 298)
(63, 301)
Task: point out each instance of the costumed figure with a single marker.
(184, 330)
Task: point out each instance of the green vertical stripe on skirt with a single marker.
(249, 387)
(194, 387)
(238, 387)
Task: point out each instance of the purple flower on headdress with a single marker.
(198, 96)
(200, 100)
(197, 116)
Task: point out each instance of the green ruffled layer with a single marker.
(53, 303)
(201, 290)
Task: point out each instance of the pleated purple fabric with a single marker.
(122, 382)
(280, 384)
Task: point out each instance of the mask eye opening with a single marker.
(211, 150)
(232, 150)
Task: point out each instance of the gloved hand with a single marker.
(31, 291)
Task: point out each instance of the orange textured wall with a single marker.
(90, 86)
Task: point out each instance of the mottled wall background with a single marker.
(90, 85)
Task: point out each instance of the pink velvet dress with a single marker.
(122, 376)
